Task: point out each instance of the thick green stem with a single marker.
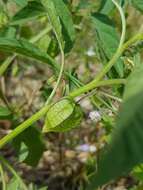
(78, 92)
(109, 65)
(24, 126)
(2, 178)
(19, 129)
(91, 85)
(61, 68)
(119, 50)
(95, 84)
(39, 114)
(134, 39)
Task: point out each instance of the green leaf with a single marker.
(125, 150)
(138, 4)
(26, 48)
(21, 3)
(44, 43)
(9, 32)
(138, 172)
(29, 146)
(23, 47)
(14, 184)
(108, 38)
(5, 113)
(106, 6)
(134, 85)
(68, 30)
(59, 15)
(63, 116)
(54, 19)
(23, 152)
(33, 10)
(61, 20)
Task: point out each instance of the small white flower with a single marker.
(90, 52)
(92, 148)
(95, 116)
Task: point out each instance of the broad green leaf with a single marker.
(125, 150)
(108, 38)
(63, 116)
(33, 10)
(68, 30)
(5, 113)
(29, 146)
(61, 20)
(138, 4)
(54, 19)
(59, 15)
(23, 47)
(21, 3)
(26, 48)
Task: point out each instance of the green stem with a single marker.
(95, 82)
(119, 50)
(61, 68)
(131, 41)
(23, 126)
(19, 129)
(2, 178)
(78, 92)
(123, 19)
(58, 80)
(109, 65)
(41, 34)
(91, 86)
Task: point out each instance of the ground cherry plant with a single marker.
(44, 33)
